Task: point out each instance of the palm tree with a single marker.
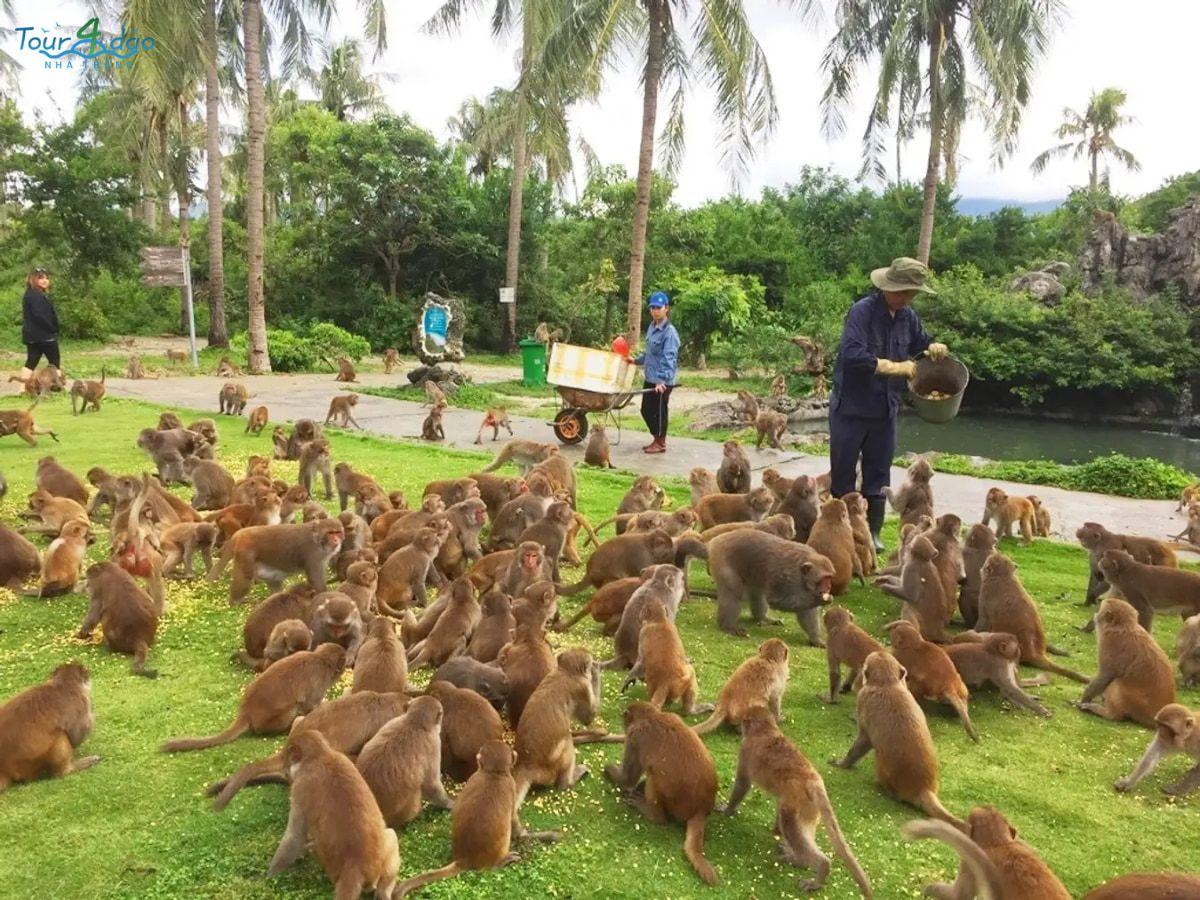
(935, 44)
(343, 87)
(1094, 130)
(723, 53)
(218, 331)
(8, 65)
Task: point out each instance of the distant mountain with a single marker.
(983, 206)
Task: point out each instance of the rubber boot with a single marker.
(876, 507)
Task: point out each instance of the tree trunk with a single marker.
(641, 208)
(1095, 170)
(516, 195)
(218, 333)
(929, 203)
(183, 188)
(393, 280)
(149, 209)
(256, 314)
(164, 184)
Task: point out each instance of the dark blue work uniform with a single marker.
(863, 406)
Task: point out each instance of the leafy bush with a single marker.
(763, 347)
(131, 308)
(706, 303)
(82, 318)
(330, 341)
(1115, 474)
(288, 352)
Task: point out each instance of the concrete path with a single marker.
(291, 397)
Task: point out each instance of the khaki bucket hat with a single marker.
(904, 274)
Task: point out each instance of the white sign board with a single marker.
(508, 295)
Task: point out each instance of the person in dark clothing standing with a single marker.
(881, 334)
(660, 361)
(39, 323)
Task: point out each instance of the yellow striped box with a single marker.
(587, 369)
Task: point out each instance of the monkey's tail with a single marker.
(222, 561)
(930, 803)
(1054, 667)
(987, 879)
(574, 620)
(492, 467)
(236, 729)
(610, 520)
(1184, 545)
(687, 547)
(227, 789)
(592, 534)
(570, 590)
(1057, 651)
(712, 723)
(103, 374)
(838, 840)
(411, 884)
(693, 849)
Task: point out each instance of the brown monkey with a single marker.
(979, 545)
(833, 537)
(864, 547)
(63, 561)
(779, 387)
(19, 559)
(1004, 605)
(303, 431)
(915, 498)
(402, 763)
(288, 637)
(226, 369)
(673, 523)
(105, 484)
(749, 406)
(779, 525)
(802, 505)
(370, 502)
(461, 548)
(271, 552)
(337, 621)
(403, 574)
(297, 602)
(663, 665)
(551, 534)
(495, 418)
(348, 482)
(128, 615)
(1151, 589)
(357, 534)
(453, 490)
(257, 420)
(168, 450)
(433, 393)
(662, 584)
(332, 807)
(845, 644)
(20, 422)
(608, 603)
(1006, 510)
(703, 483)
(644, 494)
(770, 761)
(771, 426)
(623, 556)
(381, 665)
(495, 628)
(758, 681)
(944, 535)
(485, 679)
(993, 861)
(931, 673)
(232, 398)
(1096, 539)
(468, 722)
(920, 587)
(484, 820)
(179, 544)
(361, 580)
(450, 634)
(561, 475)
(41, 727)
(1135, 675)
(431, 428)
(992, 659)
(346, 371)
(134, 370)
(526, 454)
(90, 392)
(519, 513)
(176, 356)
(497, 490)
(598, 453)
(751, 506)
(891, 723)
(1187, 650)
(1175, 732)
(680, 777)
(291, 687)
(1041, 517)
(526, 660)
(733, 475)
(1147, 886)
(279, 438)
(58, 481)
(778, 485)
(207, 429)
(391, 359)
(341, 411)
(212, 483)
(292, 502)
(407, 520)
(54, 512)
(169, 421)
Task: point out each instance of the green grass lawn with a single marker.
(138, 825)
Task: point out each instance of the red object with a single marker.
(133, 562)
(621, 346)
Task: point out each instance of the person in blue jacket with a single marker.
(660, 361)
(881, 334)
(39, 323)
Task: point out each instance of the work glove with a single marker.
(907, 368)
(937, 351)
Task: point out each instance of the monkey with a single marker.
(484, 820)
(749, 408)
(680, 777)
(993, 861)
(433, 393)
(1190, 535)
(1004, 605)
(949, 559)
(718, 509)
(271, 552)
(662, 663)
(733, 475)
(403, 574)
(607, 604)
(864, 546)
(297, 602)
(1041, 517)
(1175, 731)
(1135, 675)
(333, 808)
(346, 371)
(292, 687)
(413, 519)
(779, 387)
(1187, 650)
(769, 572)
(212, 483)
(169, 421)
(20, 422)
(461, 548)
(370, 501)
(207, 429)
(450, 635)
(134, 370)
(381, 664)
(801, 503)
(176, 356)
(703, 483)
(391, 359)
(993, 658)
(105, 484)
(90, 392)
(1151, 589)
(263, 510)
(771, 427)
(931, 673)
(920, 587)
(1006, 510)
(561, 475)
(180, 542)
(431, 428)
(495, 628)
(303, 431)
(597, 453)
(348, 482)
(915, 498)
(551, 534)
(1096, 539)
(979, 545)
(525, 660)
(1147, 886)
(497, 490)
(257, 420)
(453, 490)
(63, 560)
(128, 615)
(518, 514)
(287, 637)
(402, 763)
(232, 399)
(891, 723)
(664, 585)
(777, 484)
(168, 449)
(292, 502)
(511, 571)
(468, 722)
(360, 579)
(674, 523)
(545, 750)
(337, 621)
(279, 438)
(833, 537)
(768, 760)
(58, 481)
(526, 454)
(486, 680)
(341, 411)
(43, 725)
(19, 559)
(644, 494)
(226, 369)
(314, 458)
(623, 556)
(845, 644)
(54, 512)
(495, 418)
(758, 681)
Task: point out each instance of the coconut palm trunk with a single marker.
(936, 124)
(516, 200)
(183, 191)
(218, 334)
(256, 115)
(656, 12)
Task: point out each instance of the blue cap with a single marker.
(657, 299)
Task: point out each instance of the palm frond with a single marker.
(375, 24)
(448, 18)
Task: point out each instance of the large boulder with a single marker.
(1042, 285)
(1146, 264)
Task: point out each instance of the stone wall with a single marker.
(1146, 264)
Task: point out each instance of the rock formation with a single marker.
(1146, 264)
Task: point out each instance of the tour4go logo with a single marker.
(66, 48)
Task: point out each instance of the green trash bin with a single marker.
(533, 362)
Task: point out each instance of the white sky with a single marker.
(1148, 53)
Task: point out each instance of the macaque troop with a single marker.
(405, 648)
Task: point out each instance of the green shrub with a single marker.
(81, 317)
(707, 303)
(329, 341)
(288, 352)
(131, 308)
(762, 347)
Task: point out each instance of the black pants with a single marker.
(872, 439)
(34, 352)
(654, 410)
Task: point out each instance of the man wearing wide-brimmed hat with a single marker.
(881, 335)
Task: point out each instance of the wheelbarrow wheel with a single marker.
(571, 426)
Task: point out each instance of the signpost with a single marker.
(171, 267)
(508, 295)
